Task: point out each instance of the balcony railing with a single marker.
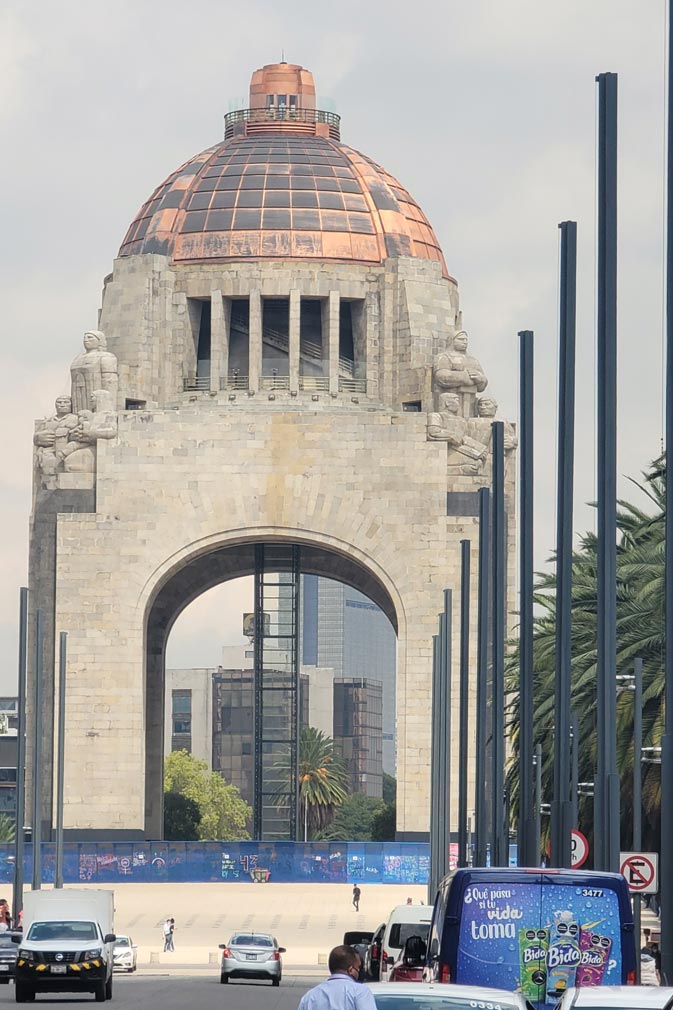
(190, 383)
(313, 383)
(274, 382)
(234, 381)
(352, 385)
(266, 119)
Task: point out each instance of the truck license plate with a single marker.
(4, 967)
(58, 969)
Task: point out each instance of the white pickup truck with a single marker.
(67, 943)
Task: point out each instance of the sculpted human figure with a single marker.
(457, 371)
(98, 422)
(52, 436)
(447, 425)
(95, 368)
(479, 427)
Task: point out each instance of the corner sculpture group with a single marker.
(66, 441)
(461, 417)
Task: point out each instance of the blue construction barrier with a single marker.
(200, 862)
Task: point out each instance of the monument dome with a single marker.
(282, 185)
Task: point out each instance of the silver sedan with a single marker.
(252, 955)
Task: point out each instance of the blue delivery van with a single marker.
(533, 931)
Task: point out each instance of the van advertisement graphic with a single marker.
(539, 941)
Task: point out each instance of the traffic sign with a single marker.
(579, 848)
(640, 870)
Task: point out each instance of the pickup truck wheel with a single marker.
(108, 988)
(99, 991)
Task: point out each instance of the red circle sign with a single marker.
(639, 871)
(579, 849)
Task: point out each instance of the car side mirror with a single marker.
(16, 937)
(109, 938)
(390, 959)
(282, 950)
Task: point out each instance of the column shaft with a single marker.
(255, 341)
(294, 333)
(333, 338)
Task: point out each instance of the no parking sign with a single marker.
(640, 870)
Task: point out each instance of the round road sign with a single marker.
(640, 869)
(579, 848)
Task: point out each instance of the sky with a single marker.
(484, 109)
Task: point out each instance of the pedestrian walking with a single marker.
(171, 945)
(5, 914)
(341, 991)
(356, 897)
(168, 927)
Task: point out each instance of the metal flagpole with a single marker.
(445, 756)
(36, 834)
(606, 333)
(60, 774)
(17, 898)
(481, 805)
(499, 855)
(526, 825)
(434, 775)
(637, 788)
(463, 701)
(666, 875)
(560, 812)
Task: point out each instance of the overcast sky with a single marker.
(484, 109)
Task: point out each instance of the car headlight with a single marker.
(89, 954)
(26, 954)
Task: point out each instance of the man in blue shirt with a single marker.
(341, 991)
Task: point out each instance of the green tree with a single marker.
(354, 819)
(384, 824)
(640, 633)
(181, 818)
(7, 829)
(322, 780)
(223, 814)
(389, 788)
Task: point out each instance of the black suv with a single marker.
(8, 952)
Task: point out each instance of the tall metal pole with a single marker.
(434, 775)
(60, 773)
(560, 806)
(500, 854)
(37, 758)
(17, 898)
(538, 803)
(481, 804)
(445, 772)
(637, 786)
(606, 333)
(526, 825)
(463, 701)
(666, 878)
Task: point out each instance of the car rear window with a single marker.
(401, 931)
(249, 940)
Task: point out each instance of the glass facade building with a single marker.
(358, 733)
(343, 630)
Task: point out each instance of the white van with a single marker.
(404, 921)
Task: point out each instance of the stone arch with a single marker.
(200, 567)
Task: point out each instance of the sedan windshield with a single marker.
(69, 930)
(122, 941)
(250, 940)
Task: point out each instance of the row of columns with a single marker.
(220, 313)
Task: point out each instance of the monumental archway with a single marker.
(281, 357)
(205, 568)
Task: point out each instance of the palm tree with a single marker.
(7, 829)
(640, 633)
(322, 780)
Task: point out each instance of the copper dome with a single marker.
(281, 188)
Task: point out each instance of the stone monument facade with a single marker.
(280, 358)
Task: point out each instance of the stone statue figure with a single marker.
(95, 368)
(466, 454)
(98, 422)
(456, 371)
(479, 427)
(51, 438)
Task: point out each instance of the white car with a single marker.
(125, 954)
(618, 997)
(431, 996)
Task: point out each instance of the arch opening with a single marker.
(196, 575)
